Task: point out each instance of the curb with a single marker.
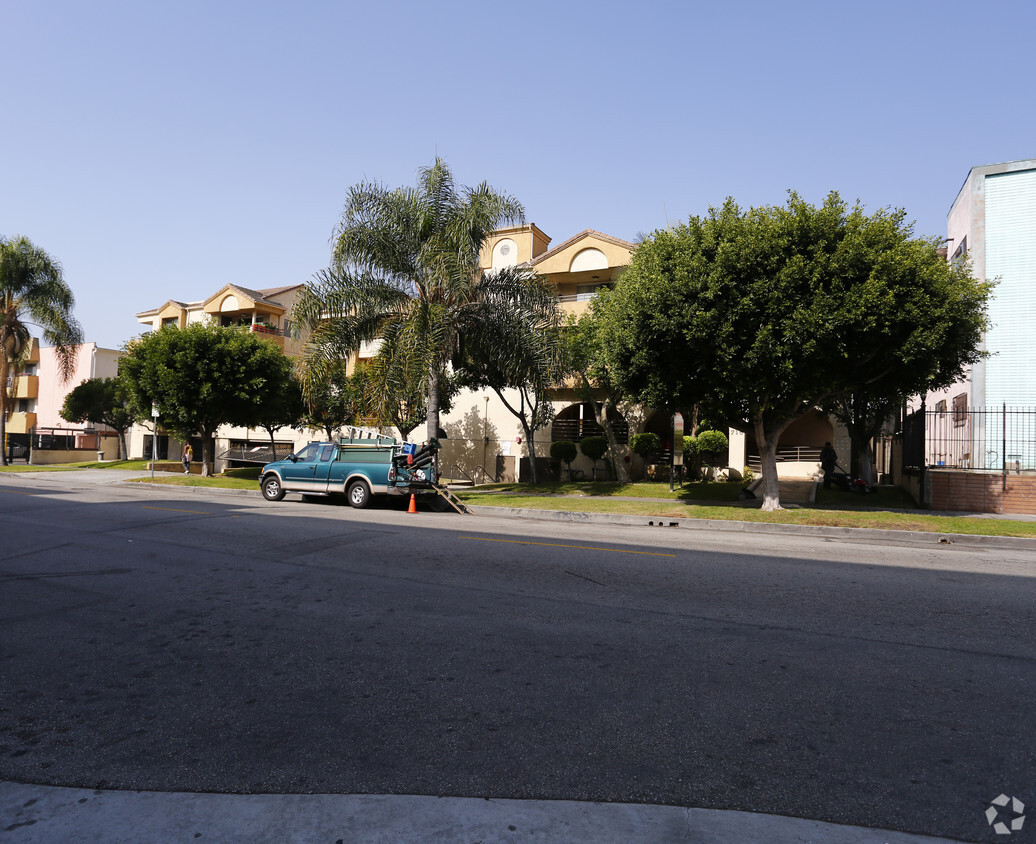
(1018, 543)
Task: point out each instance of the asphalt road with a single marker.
(176, 640)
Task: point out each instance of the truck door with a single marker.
(322, 467)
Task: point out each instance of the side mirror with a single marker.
(293, 457)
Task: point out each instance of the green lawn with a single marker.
(231, 479)
(834, 508)
(698, 491)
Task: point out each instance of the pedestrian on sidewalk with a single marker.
(188, 455)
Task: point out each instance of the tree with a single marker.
(331, 398)
(522, 377)
(595, 382)
(282, 407)
(766, 314)
(594, 448)
(405, 409)
(564, 451)
(33, 292)
(104, 400)
(201, 377)
(406, 272)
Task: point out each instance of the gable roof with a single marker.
(583, 235)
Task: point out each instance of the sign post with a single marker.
(677, 448)
(154, 439)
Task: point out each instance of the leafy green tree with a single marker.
(522, 378)
(104, 400)
(406, 272)
(32, 292)
(284, 407)
(646, 445)
(595, 382)
(712, 447)
(564, 451)
(331, 398)
(201, 377)
(594, 448)
(767, 314)
(405, 409)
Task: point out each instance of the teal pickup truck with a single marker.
(355, 468)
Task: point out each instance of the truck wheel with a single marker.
(359, 495)
(272, 489)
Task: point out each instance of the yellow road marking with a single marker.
(13, 492)
(172, 510)
(558, 545)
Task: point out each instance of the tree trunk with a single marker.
(433, 404)
(622, 474)
(767, 444)
(206, 453)
(866, 461)
(123, 450)
(530, 446)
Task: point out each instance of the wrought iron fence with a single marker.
(1001, 439)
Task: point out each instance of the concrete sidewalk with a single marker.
(31, 814)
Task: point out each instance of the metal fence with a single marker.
(1001, 439)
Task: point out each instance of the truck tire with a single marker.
(272, 489)
(359, 494)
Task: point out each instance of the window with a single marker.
(940, 406)
(961, 252)
(326, 452)
(170, 321)
(960, 410)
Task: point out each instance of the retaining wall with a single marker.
(981, 492)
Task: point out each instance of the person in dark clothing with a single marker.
(828, 459)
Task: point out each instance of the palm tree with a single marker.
(32, 293)
(406, 272)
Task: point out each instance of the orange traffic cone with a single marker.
(413, 504)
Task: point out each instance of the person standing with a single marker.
(828, 459)
(188, 455)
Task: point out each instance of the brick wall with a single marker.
(981, 492)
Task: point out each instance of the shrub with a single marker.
(712, 447)
(593, 447)
(564, 451)
(747, 475)
(646, 444)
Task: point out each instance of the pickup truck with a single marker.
(356, 468)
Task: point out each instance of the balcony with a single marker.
(21, 423)
(25, 386)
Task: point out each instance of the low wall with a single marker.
(981, 492)
(51, 457)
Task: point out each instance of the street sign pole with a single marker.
(154, 438)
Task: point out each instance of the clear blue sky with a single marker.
(161, 150)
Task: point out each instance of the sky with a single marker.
(162, 150)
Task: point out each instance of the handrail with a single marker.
(487, 478)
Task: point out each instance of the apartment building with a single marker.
(266, 312)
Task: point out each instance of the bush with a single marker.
(646, 444)
(712, 447)
(564, 451)
(593, 447)
(747, 475)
